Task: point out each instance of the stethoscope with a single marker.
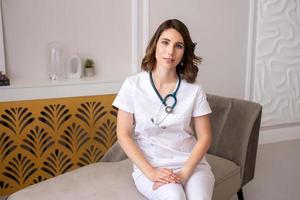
(168, 108)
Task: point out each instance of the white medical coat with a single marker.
(169, 147)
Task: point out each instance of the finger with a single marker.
(154, 186)
(169, 172)
(157, 185)
(161, 184)
(166, 171)
(163, 180)
(164, 176)
(176, 177)
(168, 177)
(177, 182)
(171, 177)
(161, 171)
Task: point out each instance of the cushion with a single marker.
(227, 176)
(93, 182)
(112, 180)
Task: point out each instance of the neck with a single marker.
(164, 76)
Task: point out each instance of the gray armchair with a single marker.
(235, 127)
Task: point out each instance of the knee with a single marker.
(174, 193)
(200, 186)
(175, 196)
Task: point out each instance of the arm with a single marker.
(203, 131)
(124, 130)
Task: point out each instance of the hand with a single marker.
(157, 184)
(184, 175)
(163, 175)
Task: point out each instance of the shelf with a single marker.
(49, 83)
(57, 89)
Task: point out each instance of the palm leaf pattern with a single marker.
(16, 119)
(6, 146)
(55, 116)
(106, 134)
(57, 163)
(91, 155)
(114, 111)
(20, 169)
(39, 179)
(90, 112)
(73, 138)
(3, 185)
(37, 142)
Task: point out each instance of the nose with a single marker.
(170, 50)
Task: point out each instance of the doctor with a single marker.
(156, 109)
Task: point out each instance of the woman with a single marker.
(156, 109)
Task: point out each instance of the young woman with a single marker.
(156, 110)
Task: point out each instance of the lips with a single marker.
(169, 60)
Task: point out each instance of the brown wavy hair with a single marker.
(189, 69)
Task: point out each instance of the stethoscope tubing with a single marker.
(168, 109)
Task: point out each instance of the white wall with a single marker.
(102, 30)
(2, 60)
(115, 34)
(92, 28)
(220, 28)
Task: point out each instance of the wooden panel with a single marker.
(41, 139)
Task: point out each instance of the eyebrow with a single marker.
(170, 40)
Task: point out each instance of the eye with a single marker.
(165, 42)
(179, 46)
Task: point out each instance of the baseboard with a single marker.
(278, 134)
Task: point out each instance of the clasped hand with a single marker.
(162, 176)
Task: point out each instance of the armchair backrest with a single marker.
(235, 130)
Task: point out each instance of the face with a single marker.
(169, 49)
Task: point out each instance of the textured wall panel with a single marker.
(277, 61)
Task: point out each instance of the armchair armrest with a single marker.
(235, 130)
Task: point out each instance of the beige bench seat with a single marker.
(112, 180)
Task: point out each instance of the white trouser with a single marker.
(199, 186)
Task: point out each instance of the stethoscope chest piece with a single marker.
(169, 109)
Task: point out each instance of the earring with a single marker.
(181, 63)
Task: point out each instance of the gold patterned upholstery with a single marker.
(40, 139)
